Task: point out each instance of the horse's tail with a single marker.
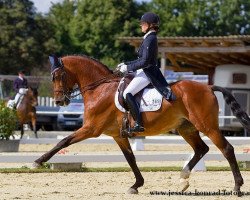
(235, 106)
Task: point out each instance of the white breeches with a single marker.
(21, 92)
(18, 95)
(139, 82)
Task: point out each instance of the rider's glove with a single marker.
(122, 68)
(22, 90)
(119, 65)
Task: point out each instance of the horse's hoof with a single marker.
(132, 191)
(184, 184)
(35, 165)
(238, 193)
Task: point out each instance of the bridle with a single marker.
(64, 90)
(114, 77)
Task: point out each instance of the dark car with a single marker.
(71, 117)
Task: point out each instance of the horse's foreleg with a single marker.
(129, 155)
(192, 137)
(22, 131)
(79, 135)
(33, 122)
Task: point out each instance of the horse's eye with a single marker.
(54, 78)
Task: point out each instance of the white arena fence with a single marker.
(147, 140)
(141, 156)
(81, 158)
(46, 101)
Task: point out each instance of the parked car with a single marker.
(67, 119)
(46, 121)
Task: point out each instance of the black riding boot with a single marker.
(135, 112)
(168, 94)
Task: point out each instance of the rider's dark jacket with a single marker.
(147, 60)
(19, 83)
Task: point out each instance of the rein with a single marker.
(67, 93)
(107, 79)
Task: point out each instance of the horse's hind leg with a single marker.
(128, 153)
(192, 137)
(228, 151)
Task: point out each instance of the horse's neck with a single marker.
(23, 99)
(91, 74)
(22, 103)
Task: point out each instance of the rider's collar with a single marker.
(146, 35)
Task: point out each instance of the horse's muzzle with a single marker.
(35, 104)
(62, 101)
(59, 103)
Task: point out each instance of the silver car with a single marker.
(71, 117)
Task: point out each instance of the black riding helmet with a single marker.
(151, 18)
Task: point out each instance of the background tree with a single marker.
(61, 16)
(24, 37)
(92, 27)
(202, 18)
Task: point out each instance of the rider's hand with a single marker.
(123, 68)
(119, 65)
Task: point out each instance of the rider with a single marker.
(20, 86)
(145, 68)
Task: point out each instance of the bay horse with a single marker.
(26, 111)
(195, 109)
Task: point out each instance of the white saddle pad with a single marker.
(11, 103)
(152, 98)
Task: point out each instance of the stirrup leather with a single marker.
(126, 130)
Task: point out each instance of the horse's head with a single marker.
(62, 84)
(32, 95)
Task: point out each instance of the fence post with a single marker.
(200, 166)
(137, 144)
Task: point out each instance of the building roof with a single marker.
(201, 54)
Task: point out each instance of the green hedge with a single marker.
(8, 121)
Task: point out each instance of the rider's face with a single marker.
(21, 75)
(144, 26)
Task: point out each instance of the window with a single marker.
(239, 78)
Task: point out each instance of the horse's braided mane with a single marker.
(94, 59)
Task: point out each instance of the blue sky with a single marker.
(44, 5)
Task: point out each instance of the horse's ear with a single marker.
(55, 63)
